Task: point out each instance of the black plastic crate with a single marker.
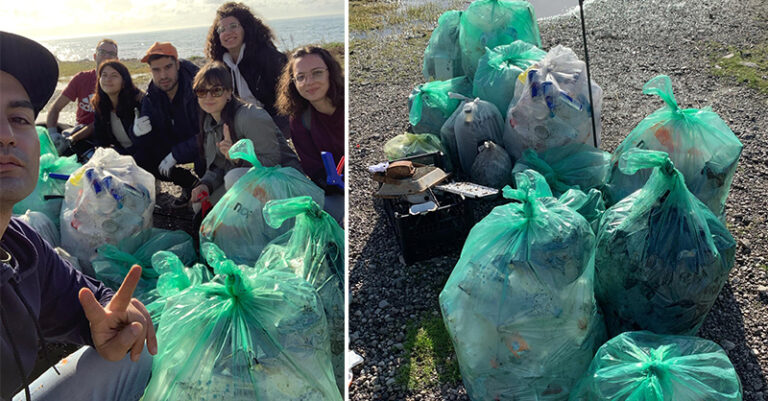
(433, 233)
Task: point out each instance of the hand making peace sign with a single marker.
(225, 143)
(123, 325)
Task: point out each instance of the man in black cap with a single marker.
(42, 298)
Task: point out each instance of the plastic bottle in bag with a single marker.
(551, 106)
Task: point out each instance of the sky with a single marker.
(48, 19)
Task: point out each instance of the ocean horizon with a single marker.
(189, 42)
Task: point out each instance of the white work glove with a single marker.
(166, 165)
(141, 125)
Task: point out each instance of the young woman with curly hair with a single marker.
(311, 94)
(246, 45)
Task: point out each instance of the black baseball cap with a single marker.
(32, 65)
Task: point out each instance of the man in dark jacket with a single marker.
(42, 298)
(169, 116)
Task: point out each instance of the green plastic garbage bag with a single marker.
(661, 256)
(173, 277)
(246, 335)
(551, 106)
(576, 165)
(589, 204)
(698, 142)
(442, 57)
(490, 23)
(649, 367)
(519, 305)
(498, 69)
(49, 191)
(407, 144)
(430, 105)
(112, 262)
(46, 143)
(314, 250)
(236, 223)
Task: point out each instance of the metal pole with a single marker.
(589, 79)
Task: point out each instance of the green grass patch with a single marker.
(747, 66)
(370, 15)
(427, 12)
(429, 356)
(69, 68)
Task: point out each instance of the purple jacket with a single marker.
(38, 298)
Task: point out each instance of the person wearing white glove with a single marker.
(141, 125)
(166, 165)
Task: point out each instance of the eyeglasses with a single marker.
(216, 91)
(102, 53)
(231, 27)
(316, 74)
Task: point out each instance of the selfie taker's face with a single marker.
(19, 146)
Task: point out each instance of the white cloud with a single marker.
(40, 19)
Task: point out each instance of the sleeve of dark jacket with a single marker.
(61, 316)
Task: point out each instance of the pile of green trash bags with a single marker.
(519, 305)
(650, 367)
(699, 143)
(490, 23)
(51, 181)
(430, 104)
(407, 144)
(442, 57)
(498, 69)
(112, 262)
(551, 106)
(661, 256)
(313, 250)
(576, 165)
(236, 223)
(248, 334)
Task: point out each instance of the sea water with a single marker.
(290, 33)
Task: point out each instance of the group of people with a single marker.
(247, 89)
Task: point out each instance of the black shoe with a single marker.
(182, 202)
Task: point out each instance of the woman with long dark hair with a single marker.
(246, 45)
(225, 119)
(116, 103)
(311, 93)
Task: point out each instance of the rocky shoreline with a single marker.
(629, 43)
